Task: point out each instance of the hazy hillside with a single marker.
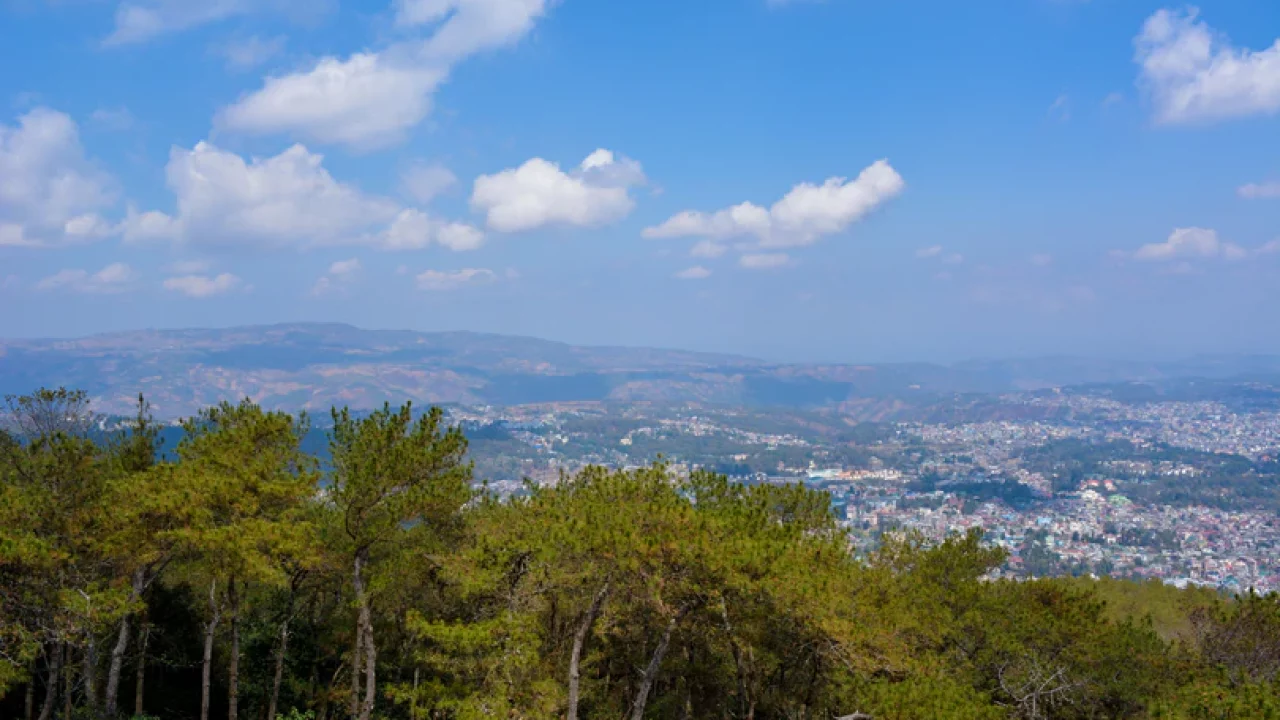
(314, 366)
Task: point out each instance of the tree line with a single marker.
(237, 575)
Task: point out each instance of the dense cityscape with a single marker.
(1179, 490)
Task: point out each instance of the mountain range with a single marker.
(313, 366)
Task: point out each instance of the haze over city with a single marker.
(800, 181)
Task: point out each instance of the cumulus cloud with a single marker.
(143, 20)
(697, 272)
(49, 191)
(366, 101)
(764, 261)
(281, 201)
(149, 226)
(413, 230)
(340, 274)
(1189, 244)
(539, 193)
(372, 99)
(929, 252)
(439, 280)
(424, 181)
(89, 226)
(202, 286)
(114, 278)
(1256, 191)
(1194, 74)
(802, 217)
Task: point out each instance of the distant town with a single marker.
(1184, 491)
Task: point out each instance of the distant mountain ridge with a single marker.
(313, 366)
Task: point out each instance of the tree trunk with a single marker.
(210, 627)
(745, 706)
(413, 699)
(67, 685)
(651, 672)
(89, 661)
(233, 666)
(579, 641)
(365, 621)
(140, 679)
(370, 666)
(122, 644)
(275, 681)
(355, 670)
(53, 675)
(29, 703)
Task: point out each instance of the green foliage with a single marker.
(383, 579)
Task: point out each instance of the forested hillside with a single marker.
(236, 575)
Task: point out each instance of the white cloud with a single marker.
(414, 230)
(1193, 73)
(803, 216)
(934, 252)
(437, 280)
(282, 201)
(14, 235)
(339, 276)
(697, 272)
(49, 191)
(90, 226)
(114, 278)
(366, 101)
(144, 20)
(1112, 99)
(469, 26)
(764, 261)
(423, 182)
(343, 268)
(372, 99)
(286, 199)
(1271, 247)
(707, 249)
(1189, 243)
(539, 193)
(247, 53)
(202, 286)
(149, 226)
(1041, 259)
(1255, 191)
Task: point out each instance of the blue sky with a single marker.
(836, 180)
